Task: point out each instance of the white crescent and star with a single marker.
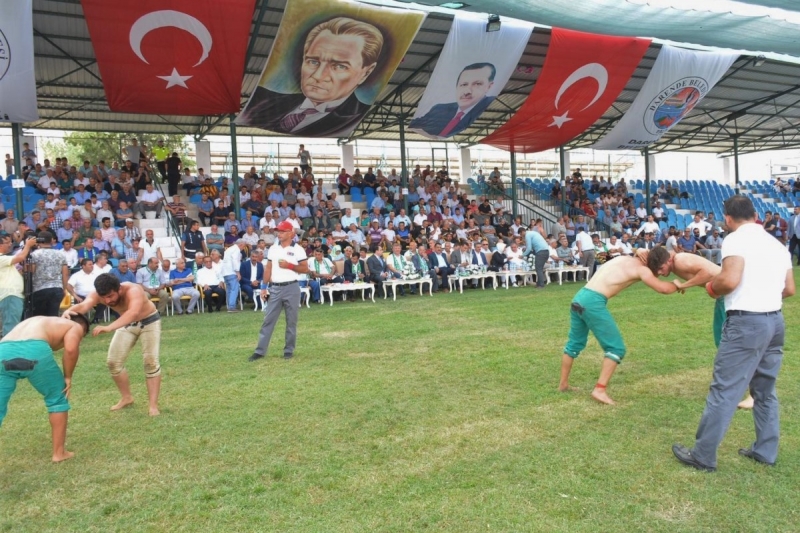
(170, 19)
(591, 70)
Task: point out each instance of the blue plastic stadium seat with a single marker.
(355, 195)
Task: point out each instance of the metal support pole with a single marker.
(235, 169)
(403, 164)
(17, 167)
(562, 177)
(646, 180)
(514, 184)
(736, 164)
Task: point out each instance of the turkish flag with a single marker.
(172, 57)
(582, 76)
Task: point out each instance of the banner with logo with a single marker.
(180, 57)
(329, 62)
(17, 77)
(471, 71)
(582, 76)
(677, 82)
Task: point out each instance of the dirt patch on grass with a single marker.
(677, 513)
(689, 384)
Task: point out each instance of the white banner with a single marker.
(17, 78)
(677, 82)
(472, 69)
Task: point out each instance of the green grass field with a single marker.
(427, 414)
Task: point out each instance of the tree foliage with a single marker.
(79, 146)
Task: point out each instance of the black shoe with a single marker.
(683, 455)
(747, 452)
(255, 357)
(285, 356)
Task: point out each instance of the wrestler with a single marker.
(696, 271)
(589, 313)
(138, 319)
(27, 353)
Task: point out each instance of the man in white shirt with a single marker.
(211, 284)
(658, 212)
(151, 249)
(700, 224)
(651, 226)
(151, 200)
(641, 211)
(355, 236)
(286, 262)
(231, 263)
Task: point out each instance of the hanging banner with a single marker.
(472, 70)
(173, 57)
(677, 82)
(17, 77)
(329, 62)
(582, 76)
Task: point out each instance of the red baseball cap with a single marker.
(285, 226)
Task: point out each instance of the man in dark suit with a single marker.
(354, 269)
(440, 266)
(446, 120)
(338, 56)
(378, 272)
(250, 282)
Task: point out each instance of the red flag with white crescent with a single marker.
(173, 57)
(583, 74)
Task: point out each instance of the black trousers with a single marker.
(794, 243)
(162, 169)
(46, 302)
(220, 292)
(173, 181)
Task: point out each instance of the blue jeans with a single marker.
(232, 290)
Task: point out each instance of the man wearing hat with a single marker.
(160, 154)
(285, 262)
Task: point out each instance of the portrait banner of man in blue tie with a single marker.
(472, 70)
(329, 62)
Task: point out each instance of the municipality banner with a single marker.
(677, 82)
(17, 78)
(329, 62)
(472, 70)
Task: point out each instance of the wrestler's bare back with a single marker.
(52, 330)
(618, 274)
(686, 266)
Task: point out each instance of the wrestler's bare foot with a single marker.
(747, 403)
(154, 411)
(123, 403)
(567, 388)
(63, 456)
(599, 395)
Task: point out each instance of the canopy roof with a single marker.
(758, 105)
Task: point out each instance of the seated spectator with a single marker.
(215, 240)
(686, 243)
(101, 266)
(65, 232)
(231, 236)
(182, 282)
(70, 255)
(205, 210)
(252, 274)
(102, 246)
(178, 211)
(189, 183)
(712, 249)
(123, 273)
(250, 236)
(151, 200)
(81, 283)
(154, 281)
(88, 251)
(85, 231)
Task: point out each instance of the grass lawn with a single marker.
(426, 414)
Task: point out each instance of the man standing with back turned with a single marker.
(756, 275)
(285, 262)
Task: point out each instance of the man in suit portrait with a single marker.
(338, 56)
(378, 271)
(446, 120)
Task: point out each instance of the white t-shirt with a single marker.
(82, 282)
(766, 261)
(585, 240)
(293, 254)
(152, 197)
(231, 261)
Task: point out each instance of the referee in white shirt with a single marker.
(285, 262)
(756, 275)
